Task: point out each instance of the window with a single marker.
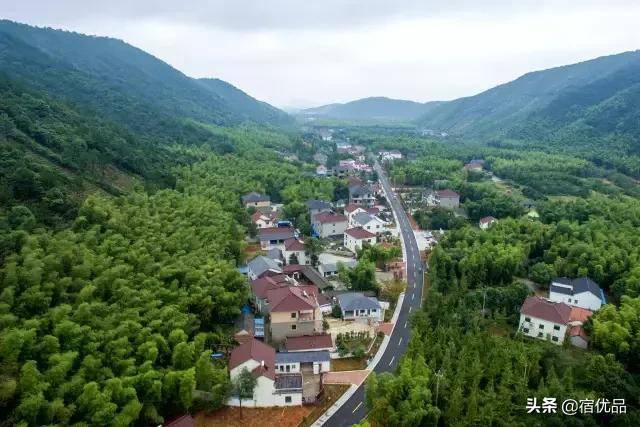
(527, 319)
(541, 326)
(525, 330)
(288, 368)
(287, 399)
(554, 339)
(294, 327)
(293, 315)
(556, 327)
(540, 334)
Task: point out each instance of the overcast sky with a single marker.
(312, 52)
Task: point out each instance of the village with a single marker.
(305, 329)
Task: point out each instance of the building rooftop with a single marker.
(260, 286)
(258, 351)
(359, 233)
(288, 382)
(317, 204)
(276, 233)
(447, 193)
(333, 266)
(293, 244)
(308, 342)
(326, 217)
(303, 356)
(564, 285)
(357, 301)
(254, 197)
(292, 298)
(260, 264)
(556, 312)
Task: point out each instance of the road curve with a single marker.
(355, 409)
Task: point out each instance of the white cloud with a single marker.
(320, 52)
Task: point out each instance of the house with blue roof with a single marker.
(581, 292)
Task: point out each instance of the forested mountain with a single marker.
(118, 79)
(594, 98)
(374, 108)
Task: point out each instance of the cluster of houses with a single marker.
(283, 339)
(389, 155)
(570, 303)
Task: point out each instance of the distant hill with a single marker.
(592, 98)
(80, 114)
(122, 81)
(374, 108)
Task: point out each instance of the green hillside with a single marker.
(374, 108)
(119, 80)
(552, 102)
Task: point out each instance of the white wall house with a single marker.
(295, 246)
(368, 222)
(271, 389)
(354, 238)
(327, 224)
(356, 306)
(545, 320)
(582, 292)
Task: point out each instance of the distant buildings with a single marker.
(486, 222)
(389, 155)
(264, 220)
(581, 292)
(447, 199)
(321, 170)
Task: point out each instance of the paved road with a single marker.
(355, 409)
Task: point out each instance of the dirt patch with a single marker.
(330, 393)
(348, 364)
(290, 416)
(345, 377)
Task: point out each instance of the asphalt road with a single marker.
(355, 409)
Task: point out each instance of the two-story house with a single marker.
(294, 252)
(294, 311)
(272, 388)
(264, 220)
(327, 224)
(271, 237)
(362, 195)
(262, 265)
(355, 237)
(544, 319)
(317, 206)
(581, 292)
(368, 222)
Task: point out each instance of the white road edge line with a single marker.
(405, 324)
(392, 359)
(400, 342)
(410, 309)
(358, 406)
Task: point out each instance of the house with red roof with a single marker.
(272, 388)
(294, 252)
(315, 342)
(261, 285)
(294, 311)
(544, 319)
(486, 222)
(264, 220)
(355, 237)
(327, 224)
